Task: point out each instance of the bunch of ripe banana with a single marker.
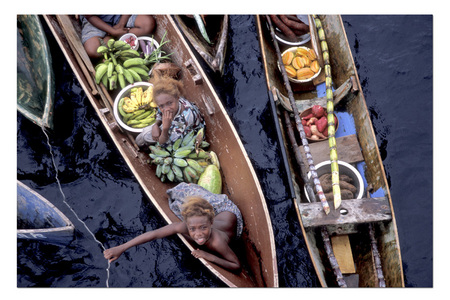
(138, 109)
(121, 64)
(185, 160)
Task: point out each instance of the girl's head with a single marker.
(198, 215)
(166, 92)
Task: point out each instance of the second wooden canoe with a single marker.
(357, 244)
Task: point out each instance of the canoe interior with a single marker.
(217, 30)
(353, 119)
(35, 82)
(256, 247)
(39, 219)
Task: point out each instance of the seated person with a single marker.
(176, 116)
(209, 220)
(97, 27)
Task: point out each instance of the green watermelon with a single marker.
(211, 179)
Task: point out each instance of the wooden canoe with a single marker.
(257, 247)
(35, 83)
(217, 30)
(348, 226)
(39, 220)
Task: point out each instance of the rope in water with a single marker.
(67, 204)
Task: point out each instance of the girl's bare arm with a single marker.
(114, 253)
(229, 260)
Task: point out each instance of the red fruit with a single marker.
(321, 124)
(308, 117)
(307, 130)
(318, 111)
(303, 122)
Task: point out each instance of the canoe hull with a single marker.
(214, 54)
(39, 220)
(239, 179)
(343, 68)
(35, 82)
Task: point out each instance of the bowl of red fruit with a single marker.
(131, 39)
(315, 123)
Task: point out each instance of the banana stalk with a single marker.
(330, 114)
(299, 126)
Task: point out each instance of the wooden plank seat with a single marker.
(351, 212)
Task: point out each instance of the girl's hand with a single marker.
(156, 132)
(118, 31)
(200, 254)
(113, 253)
(167, 119)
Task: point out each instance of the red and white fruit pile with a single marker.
(315, 123)
(131, 40)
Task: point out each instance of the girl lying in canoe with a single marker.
(210, 220)
(176, 116)
(97, 27)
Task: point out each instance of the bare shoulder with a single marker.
(219, 240)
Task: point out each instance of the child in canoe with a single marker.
(209, 220)
(176, 116)
(97, 27)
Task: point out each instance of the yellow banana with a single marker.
(215, 159)
(134, 99)
(148, 95)
(139, 95)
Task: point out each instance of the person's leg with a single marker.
(91, 38)
(143, 25)
(144, 139)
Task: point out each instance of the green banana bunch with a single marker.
(126, 62)
(182, 161)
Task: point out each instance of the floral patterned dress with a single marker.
(187, 119)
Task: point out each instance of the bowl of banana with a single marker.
(134, 107)
(301, 64)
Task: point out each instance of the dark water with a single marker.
(394, 59)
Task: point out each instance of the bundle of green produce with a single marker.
(152, 54)
(184, 161)
(124, 65)
(138, 109)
